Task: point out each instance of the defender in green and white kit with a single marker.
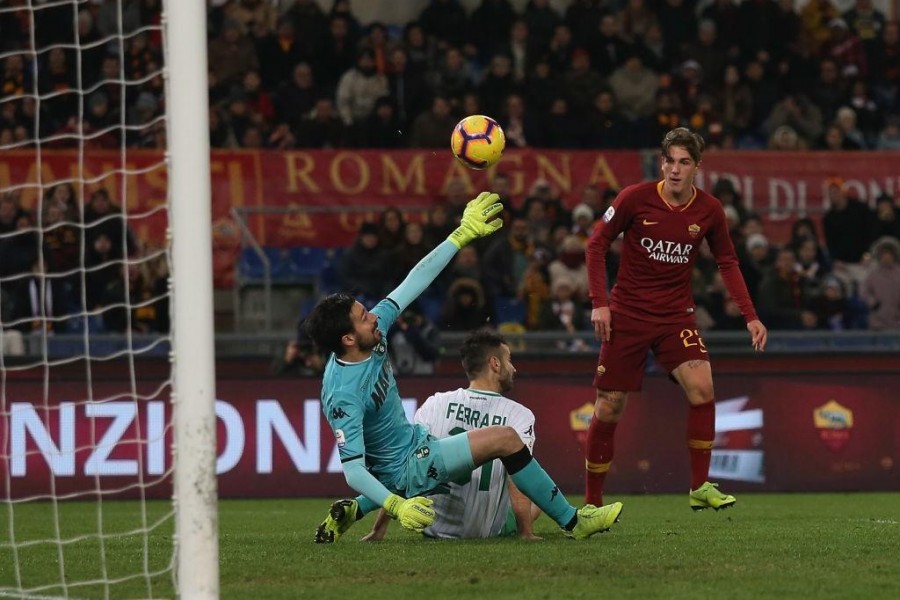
(485, 504)
(390, 462)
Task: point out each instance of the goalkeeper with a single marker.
(391, 463)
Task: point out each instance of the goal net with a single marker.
(107, 437)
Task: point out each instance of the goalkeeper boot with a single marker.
(708, 496)
(592, 519)
(341, 516)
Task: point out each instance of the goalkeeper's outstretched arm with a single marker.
(479, 220)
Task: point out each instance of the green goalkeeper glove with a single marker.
(415, 513)
(477, 219)
(341, 516)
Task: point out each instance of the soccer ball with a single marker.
(477, 141)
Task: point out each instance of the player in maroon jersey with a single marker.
(652, 307)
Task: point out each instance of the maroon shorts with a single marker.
(624, 356)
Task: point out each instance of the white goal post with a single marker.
(107, 367)
(196, 521)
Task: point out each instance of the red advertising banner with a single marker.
(320, 197)
(778, 433)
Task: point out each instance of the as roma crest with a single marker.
(834, 423)
(693, 230)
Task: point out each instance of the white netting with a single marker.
(85, 426)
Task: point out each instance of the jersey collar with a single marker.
(673, 207)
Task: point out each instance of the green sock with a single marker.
(534, 482)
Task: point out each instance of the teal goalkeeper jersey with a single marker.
(362, 404)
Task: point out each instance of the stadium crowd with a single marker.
(600, 74)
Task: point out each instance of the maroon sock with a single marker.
(701, 431)
(598, 456)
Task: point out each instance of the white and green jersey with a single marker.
(478, 507)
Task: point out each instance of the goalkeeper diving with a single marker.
(391, 463)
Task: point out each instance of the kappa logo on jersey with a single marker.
(339, 436)
(432, 472)
(554, 493)
(338, 413)
(666, 251)
(530, 430)
(608, 215)
(423, 452)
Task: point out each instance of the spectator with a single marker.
(507, 258)
(278, 53)
(834, 140)
(257, 18)
(886, 221)
(735, 101)
(465, 307)
(490, 25)
(300, 357)
(785, 138)
(636, 18)
(608, 50)
(799, 113)
(561, 49)
(563, 312)
(339, 53)
(310, 25)
(847, 223)
(707, 51)
(19, 247)
(439, 225)
(521, 127)
(831, 307)
(413, 343)
(889, 138)
(446, 22)
(606, 125)
(583, 19)
(296, 97)
(383, 128)
(541, 18)
(102, 269)
(432, 129)
(881, 288)
(133, 305)
(364, 267)
(541, 87)
(804, 230)
(38, 302)
(391, 229)
(634, 87)
(829, 91)
(846, 121)
(581, 83)
(408, 253)
(782, 298)
(570, 265)
(453, 76)
(359, 88)
(407, 88)
(728, 195)
(498, 83)
(421, 50)
(534, 291)
(846, 49)
(583, 221)
(231, 54)
(755, 261)
(321, 128)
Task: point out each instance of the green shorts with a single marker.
(435, 462)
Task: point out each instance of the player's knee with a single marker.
(507, 439)
(701, 394)
(609, 406)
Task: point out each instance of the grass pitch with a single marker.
(770, 546)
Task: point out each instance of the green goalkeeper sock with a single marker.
(534, 482)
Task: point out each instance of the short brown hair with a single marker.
(687, 139)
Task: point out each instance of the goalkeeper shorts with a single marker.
(437, 461)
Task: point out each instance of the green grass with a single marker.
(770, 546)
